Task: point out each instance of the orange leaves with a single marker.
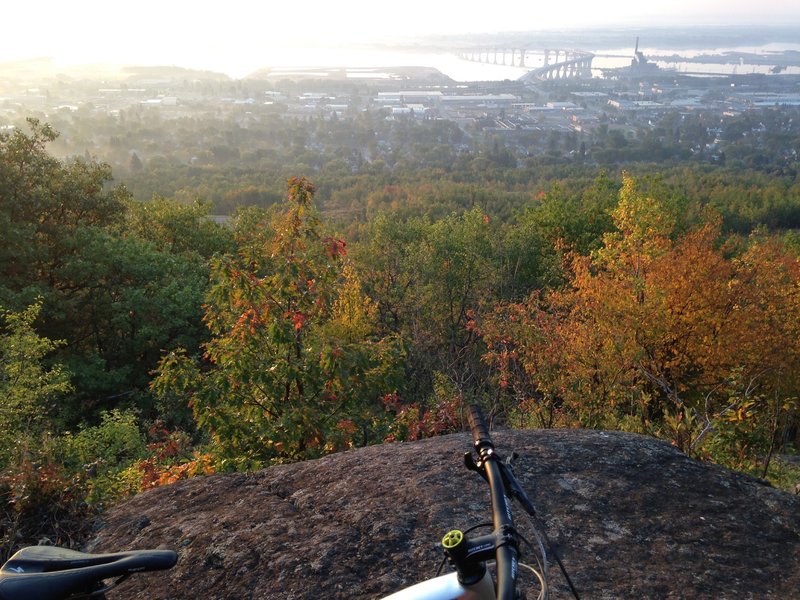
(347, 426)
(415, 422)
(297, 318)
(248, 321)
(646, 312)
(171, 459)
(652, 322)
(155, 475)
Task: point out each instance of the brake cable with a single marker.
(516, 491)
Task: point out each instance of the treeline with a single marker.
(234, 157)
(143, 342)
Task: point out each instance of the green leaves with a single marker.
(295, 350)
(117, 282)
(28, 387)
(181, 229)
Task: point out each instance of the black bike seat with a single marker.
(51, 573)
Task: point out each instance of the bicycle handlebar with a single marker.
(506, 553)
(469, 555)
(480, 432)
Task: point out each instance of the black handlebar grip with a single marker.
(480, 432)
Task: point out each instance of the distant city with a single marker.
(514, 88)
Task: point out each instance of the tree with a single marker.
(178, 228)
(294, 368)
(117, 282)
(120, 302)
(427, 278)
(135, 163)
(43, 204)
(660, 334)
(29, 388)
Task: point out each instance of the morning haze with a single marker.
(246, 233)
(238, 36)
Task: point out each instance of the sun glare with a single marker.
(214, 35)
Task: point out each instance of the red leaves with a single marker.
(298, 319)
(171, 458)
(335, 247)
(347, 426)
(471, 325)
(392, 401)
(248, 321)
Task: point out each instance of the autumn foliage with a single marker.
(665, 332)
(295, 367)
(145, 342)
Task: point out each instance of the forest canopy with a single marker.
(142, 341)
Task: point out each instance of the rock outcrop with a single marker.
(631, 517)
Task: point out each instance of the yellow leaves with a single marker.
(301, 191)
(641, 219)
(354, 313)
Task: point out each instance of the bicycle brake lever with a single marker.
(469, 462)
(510, 460)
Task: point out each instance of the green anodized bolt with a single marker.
(452, 539)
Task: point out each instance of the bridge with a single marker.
(558, 64)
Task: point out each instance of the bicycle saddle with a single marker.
(52, 573)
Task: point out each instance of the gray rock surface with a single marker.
(631, 517)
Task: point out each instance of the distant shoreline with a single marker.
(397, 58)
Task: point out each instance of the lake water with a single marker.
(358, 60)
(621, 57)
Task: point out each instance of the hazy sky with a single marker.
(192, 32)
